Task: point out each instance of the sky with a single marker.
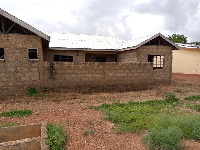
(123, 19)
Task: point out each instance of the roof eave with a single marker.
(23, 24)
(83, 49)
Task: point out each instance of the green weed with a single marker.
(194, 107)
(193, 98)
(32, 91)
(7, 124)
(170, 98)
(90, 122)
(17, 113)
(56, 137)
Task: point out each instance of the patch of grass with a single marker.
(17, 113)
(32, 91)
(135, 116)
(56, 137)
(193, 98)
(170, 98)
(7, 124)
(165, 139)
(89, 132)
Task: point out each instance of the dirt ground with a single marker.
(86, 128)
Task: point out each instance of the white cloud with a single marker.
(123, 19)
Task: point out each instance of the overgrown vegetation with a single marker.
(168, 131)
(56, 137)
(168, 124)
(17, 113)
(135, 116)
(193, 98)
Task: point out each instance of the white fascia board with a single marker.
(82, 49)
(23, 24)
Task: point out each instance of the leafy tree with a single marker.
(196, 43)
(177, 38)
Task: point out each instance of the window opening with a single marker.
(63, 58)
(32, 54)
(99, 59)
(157, 60)
(1, 53)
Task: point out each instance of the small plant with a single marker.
(32, 91)
(178, 90)
(164, 139)
(170, 98)
(193, 98)
(89, 132)
(90, 122)
(17, 113)
(7, 124)
(56, 137)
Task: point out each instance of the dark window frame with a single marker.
(63, 58)
(32, 53)
(157, 60)
(2, 54)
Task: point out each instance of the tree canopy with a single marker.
(196, 43)
(177, 38)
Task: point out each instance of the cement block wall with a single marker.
(16, 70)
(24, 137)
(141, 55)
(101, 75)
(14, 133)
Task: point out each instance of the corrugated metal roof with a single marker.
(68, 40)
(64, 41)
(23, 24)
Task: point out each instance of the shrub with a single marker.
(170, 98)
(189, 125)
(17, 113)
(164, 139)
(56, 137)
